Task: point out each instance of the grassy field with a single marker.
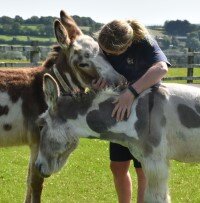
(182, 72)
(33, 38)
(24, 38)
(32, 27)
(87, 178)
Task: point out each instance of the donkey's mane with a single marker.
(81, 96)
(86, 96)
(52, 57)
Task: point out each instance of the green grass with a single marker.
(13, 61)
(6, 37)
(32, 27)
(182, 72)
(24, 38)
(86, 178)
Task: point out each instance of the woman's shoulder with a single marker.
(143, 44)
(150, 44)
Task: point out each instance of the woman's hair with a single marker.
(118, 34)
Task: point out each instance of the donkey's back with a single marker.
(21, 101)
(167, 120)
(182, 114)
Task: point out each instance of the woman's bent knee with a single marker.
(119, 168)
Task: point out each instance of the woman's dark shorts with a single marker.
(120, 153)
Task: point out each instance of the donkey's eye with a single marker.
(67, 145)
(40, 123)
(40, 127)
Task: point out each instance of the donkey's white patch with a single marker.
(14, 118)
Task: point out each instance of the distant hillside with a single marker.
(157, 31)
(19, 31)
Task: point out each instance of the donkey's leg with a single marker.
(36, 185)
(157, 181)
(34, 180)
(28, 191)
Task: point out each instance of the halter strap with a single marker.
(60, 79)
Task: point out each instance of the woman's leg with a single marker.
(122, 180)
(141, 185)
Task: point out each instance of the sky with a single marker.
(149, 12)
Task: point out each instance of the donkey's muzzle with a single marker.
(39, 168)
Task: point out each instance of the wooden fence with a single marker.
(35, 50)
(190, 65)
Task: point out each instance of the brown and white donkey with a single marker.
(74, 62)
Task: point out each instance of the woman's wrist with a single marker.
(133, 91)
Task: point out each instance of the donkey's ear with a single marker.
(61, 34)
(51, 90)
(70, 25)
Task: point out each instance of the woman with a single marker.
(130, 49)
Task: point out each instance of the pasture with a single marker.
(86, 177)
(24, 38)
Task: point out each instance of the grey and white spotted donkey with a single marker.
(22, 97)
(164, 125)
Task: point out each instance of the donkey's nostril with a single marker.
(38, 166)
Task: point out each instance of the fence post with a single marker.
(34, 53)
(190, 64)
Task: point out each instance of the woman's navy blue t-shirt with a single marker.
(138, 58)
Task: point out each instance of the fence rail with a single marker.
(188, 78)
(35, 51)
(17, 64)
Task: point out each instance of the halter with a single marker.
(60, 79)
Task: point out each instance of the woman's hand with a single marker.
(123, 105)
(99, 84)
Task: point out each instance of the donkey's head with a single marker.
(56, 140)
(81, 55)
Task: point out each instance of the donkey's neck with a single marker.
(68, 74)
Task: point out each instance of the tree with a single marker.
(7, 28)
(15, 28)
(45, 30)
(175, 42)
(166, 42)
(178, 27)
(6, 20)
(46, 20)
(193, 41)
(32, 20)
(48, 30)
(18, 19)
